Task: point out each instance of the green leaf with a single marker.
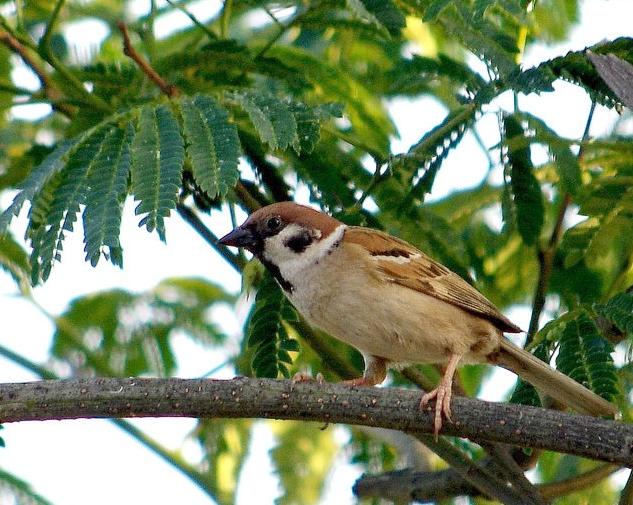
(303, 458)
(20, 490)
(224, 444)
(427, 155)
(122, 334)
(434, 9)
(14, 261)
(619, 310)
(65, 198)
(213, 144)
(526, 190)
(272, 118)
(576, 241)
(566, 162)
(576, 67)
(104, 201)
(36, 181)
(367, 113)
(266, 332)
(309, 121)
(386, 13)
(157, 162)
(585, 355)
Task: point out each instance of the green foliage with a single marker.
(527, 200)
(585, 355)
(19, 490)
(225, 447)
(302, 459)
(282, 100)
(108, 184)
(619, 310)
(121, 334)
(429, 153)
(268, 333)
(14, 261)
(213, 144)
(157, 159)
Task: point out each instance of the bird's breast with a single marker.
(384, 319)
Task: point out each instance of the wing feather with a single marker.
(405, 265)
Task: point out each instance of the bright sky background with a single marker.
(74, 462)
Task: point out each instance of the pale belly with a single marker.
(395, 323)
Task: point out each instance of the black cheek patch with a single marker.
(300, 242)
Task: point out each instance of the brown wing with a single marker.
(403, 264)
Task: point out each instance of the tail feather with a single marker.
(552, 382)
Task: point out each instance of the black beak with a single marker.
(239, 237)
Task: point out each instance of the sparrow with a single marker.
(393, 303)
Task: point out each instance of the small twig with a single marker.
(546, 255)
(50, 89)
(45, 41)
(377, 178)
(225, 18)
(193, 19)
(168, 89)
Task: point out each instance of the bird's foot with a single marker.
(306, 377)
(442, 394)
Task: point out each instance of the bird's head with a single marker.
(282, 232)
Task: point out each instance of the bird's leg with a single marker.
(375, 372)
(442, 393)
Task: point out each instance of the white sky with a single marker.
(72, 462)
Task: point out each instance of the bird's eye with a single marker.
(273, 223)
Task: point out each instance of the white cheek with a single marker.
(293, 265)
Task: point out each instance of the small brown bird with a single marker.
(393, 303)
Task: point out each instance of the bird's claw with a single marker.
(442, 394)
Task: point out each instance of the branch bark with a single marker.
(398, 409)
(409, 485)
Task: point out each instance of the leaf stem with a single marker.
(128, 49)
(546, 254)
(45, 41)
(50, 89)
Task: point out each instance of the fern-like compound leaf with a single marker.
(64, 199)
(108, 186)
(272, 118)
(619, 310)
(157, 161)
(526, 191)
(585, 355)
(213, 145)
(267, 333)
(36, 180)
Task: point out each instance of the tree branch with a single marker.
(407, 485)
(281, 399)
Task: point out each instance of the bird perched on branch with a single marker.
(393, 303)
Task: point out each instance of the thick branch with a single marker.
(382, 407)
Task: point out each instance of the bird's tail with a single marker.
(553, 383)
